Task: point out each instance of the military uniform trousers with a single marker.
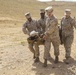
(31, 45)
(35, 43)
(55, 42)
(67, 41)
(38, 42)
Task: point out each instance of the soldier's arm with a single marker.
(38, 26)
(73, 22)
(61, 21)
(52, 27)
(24, 29)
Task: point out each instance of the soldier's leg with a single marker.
(67, 45)
(47, 46)
(56, 44)
(30, 45)
(36, 51)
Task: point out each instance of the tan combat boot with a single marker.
(67, 60)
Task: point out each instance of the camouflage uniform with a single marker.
(39, 41)
(42, 23)
(29, 27)
(67, 25)
(52, 33)
(51, 36)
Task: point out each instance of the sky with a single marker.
(57, 0)
(67, 0)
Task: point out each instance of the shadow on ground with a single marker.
(55, 69)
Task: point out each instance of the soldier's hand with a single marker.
(41, 35)
(44, 37)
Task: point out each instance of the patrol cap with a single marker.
(33, 33)
(27, 15)
(49, 9)
(42, 10)
(67, 11)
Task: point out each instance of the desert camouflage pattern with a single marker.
(36, 42)
(52, 33)
(42, 24)
(67, 25)
(30, 26)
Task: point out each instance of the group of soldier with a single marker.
(46, 31)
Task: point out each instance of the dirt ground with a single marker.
(16, 59)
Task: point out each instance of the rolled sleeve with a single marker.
(24, 29)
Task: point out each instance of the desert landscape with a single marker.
(15, 57)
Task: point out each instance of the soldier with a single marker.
(51, 36)
(67, 24)
(29, 26)
(42, 20)
(38, 40)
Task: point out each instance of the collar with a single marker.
(51, 17)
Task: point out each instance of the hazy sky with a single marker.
(66, 0)
(44, 0)
(57, 0)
